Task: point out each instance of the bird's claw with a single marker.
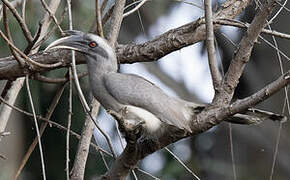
(130, 126)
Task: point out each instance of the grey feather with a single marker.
(135, 97)
(129, 89)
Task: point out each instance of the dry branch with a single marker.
(166, 43)
(211, 53)
(212, 115)
(155, 49)
(243, 54)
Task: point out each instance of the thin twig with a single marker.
(69, 122)
(14, 3)
(276, 150)
(42, 127)
(191, 3)
(147, 173)
(242, 56)
(82, 153)
(19, 19)
(286, 104)
(132, 4)
(141, 22)
(135, 8)
(99, 19)
(51, 14)
(122, 145)
(275, 48)
(46, 21)
(260, 95)
(182, 163)
(36, 127)
(215, 73)
(282, 5)
(278, 12)
(236, 23)
(232, 151)
(102, 156)
(85, 106)
(82, 97)
(48, 35)
(54, 124)
(20, 61)
(26, 57)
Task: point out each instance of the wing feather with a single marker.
(129, 89)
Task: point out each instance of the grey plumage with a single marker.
(140, 99)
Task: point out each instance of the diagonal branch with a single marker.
(8, 34)
(168, 42)
(41, 130)
(116, 21)
(51, 14)
(202, 122)
(242, 56)
(57, 125)
(135, 8)
(16, 86)
(20, 20)
(27, 58)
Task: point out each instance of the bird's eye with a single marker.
(92, 44)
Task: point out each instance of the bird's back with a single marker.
(129, 89)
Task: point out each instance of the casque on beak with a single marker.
(72, 42)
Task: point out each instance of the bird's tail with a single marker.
(250, 116)
(255, 116)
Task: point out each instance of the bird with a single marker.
(133, 100)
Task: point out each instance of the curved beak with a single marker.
(73, 42)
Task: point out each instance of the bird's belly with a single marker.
(152, 124)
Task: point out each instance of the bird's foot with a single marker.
(129, 124)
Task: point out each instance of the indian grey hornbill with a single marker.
(135, 100)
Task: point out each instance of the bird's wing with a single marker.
(129, 89)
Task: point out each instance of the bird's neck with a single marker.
(100, 66)
(97, 69)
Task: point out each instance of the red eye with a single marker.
(92, 44)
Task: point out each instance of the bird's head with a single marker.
(89, 44)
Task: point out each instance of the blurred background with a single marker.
(183, 74)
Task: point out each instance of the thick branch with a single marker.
(168, 42)
(202, 122)
(243, 54)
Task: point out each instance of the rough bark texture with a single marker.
(166, 43)
(153, 50)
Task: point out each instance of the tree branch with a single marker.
(168, 42)
(212, 61)
(202, 122)
(243, 54)
(116, 21)
(20, 20)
